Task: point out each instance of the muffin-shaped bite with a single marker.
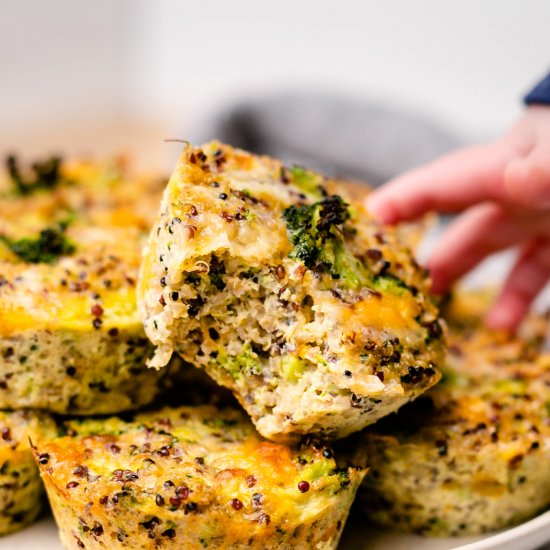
(21, 491)
(472, 454)
(194, 478)
(286, 291)
(71, 340)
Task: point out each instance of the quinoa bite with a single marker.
(471, 455)
(194, 478)
(281, 286)
(71, 340)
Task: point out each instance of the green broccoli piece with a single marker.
(316, 233)
(42, 175)
(389, 283)
(46, 248)
(292, 367)
(307, 181)
(246, 363)
(452, 379)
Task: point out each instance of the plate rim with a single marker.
(523, 532)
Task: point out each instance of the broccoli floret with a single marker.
(316, 233)
(193, 279)
(312, 227)
(46, 248)
(307, 181)
(42, 175)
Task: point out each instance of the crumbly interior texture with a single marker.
(472, 454)
(193, 478)
(71, 340)
(21, 491)
(280, 284)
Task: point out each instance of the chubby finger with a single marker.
(480, 231)
(528, 277)
(527, 179)
(449, 184)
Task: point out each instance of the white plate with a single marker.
(528, 536)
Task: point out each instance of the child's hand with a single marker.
(504, 189)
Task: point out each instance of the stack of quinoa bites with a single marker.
(71, 340)
(272, 285)
(281, 288)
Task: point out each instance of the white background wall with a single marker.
(124, 74)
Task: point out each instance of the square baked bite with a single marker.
(284, 289)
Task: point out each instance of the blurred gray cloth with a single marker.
(337, 136)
